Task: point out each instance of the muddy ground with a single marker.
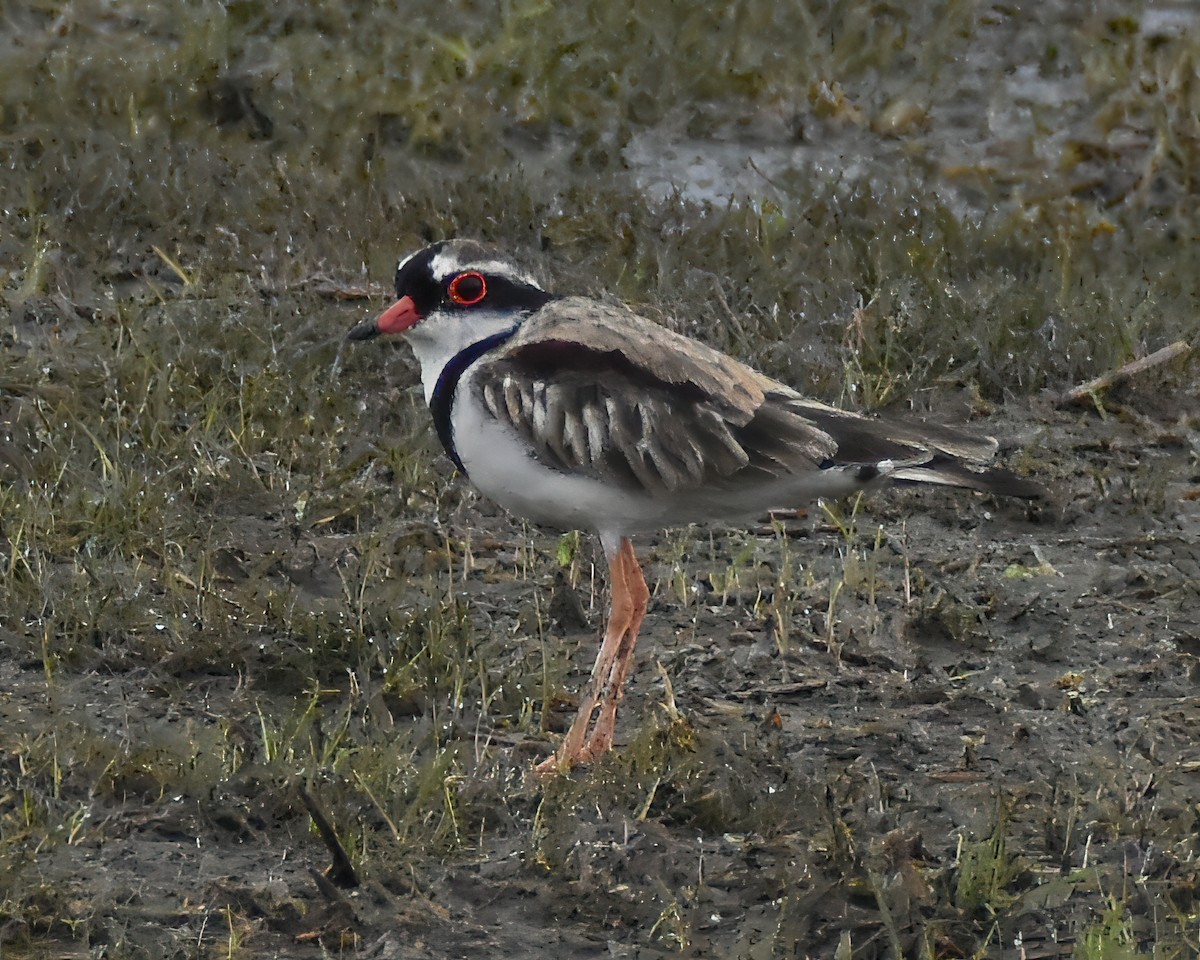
(242, 591)
(986, 741)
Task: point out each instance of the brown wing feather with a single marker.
(867, 439)
(598, 390)
(575, 330)
(611, 427)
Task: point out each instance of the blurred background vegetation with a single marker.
(1022, 180)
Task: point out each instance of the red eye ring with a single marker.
(471, 295)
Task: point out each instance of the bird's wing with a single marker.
(596, 389)
(862, 438)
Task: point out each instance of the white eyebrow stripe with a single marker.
(445, 264)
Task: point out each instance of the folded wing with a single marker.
(599, 391)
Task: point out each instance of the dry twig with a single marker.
(1086, 392)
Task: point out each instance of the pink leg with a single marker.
(601, 739)
(591, 734)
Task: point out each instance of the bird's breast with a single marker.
(505, 467)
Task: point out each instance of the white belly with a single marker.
(502, 467)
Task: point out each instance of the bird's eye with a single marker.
(467, 289)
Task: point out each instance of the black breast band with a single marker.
(441, 404)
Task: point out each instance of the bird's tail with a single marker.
(949, 471)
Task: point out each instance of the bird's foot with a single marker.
(563, 760)
(553, 766)
(560, 763)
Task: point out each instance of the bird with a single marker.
(580, 414)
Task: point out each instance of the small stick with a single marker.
(341, 872)
(1085, 392)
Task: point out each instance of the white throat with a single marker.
(440, 337)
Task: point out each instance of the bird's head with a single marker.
(461, 279)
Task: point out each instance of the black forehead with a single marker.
(416, 273)
(438, 262)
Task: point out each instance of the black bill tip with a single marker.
(364, 331)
